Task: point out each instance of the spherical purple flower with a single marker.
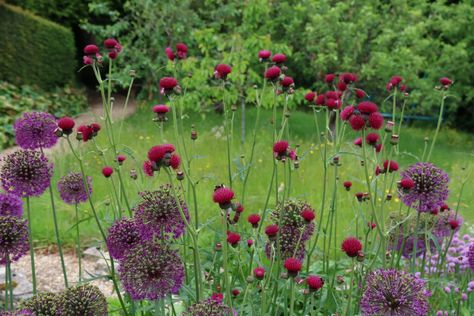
(158, 214)
(471, 256)
(72, 189)
(393, 292)
(209, 307)
(123, 236)
(10, 205)
(45, 304)
(431, 187)
(35, 130)
(26, 173)
(13, 238)
(83, 300)
(22, 312)
(151, 270)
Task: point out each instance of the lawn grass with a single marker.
(454, 153)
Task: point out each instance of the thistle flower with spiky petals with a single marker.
(151, 270)
(26, 173)
(208, 307)
(123, 235)
(10, 205)
(13, 238)
(157, 214)
(393, 292)
(83, 300)
(430, 189)
(35, 130)
(72, 189)
(44, 304)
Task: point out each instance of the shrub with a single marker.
(31, 46)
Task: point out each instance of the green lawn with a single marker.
(454, 153)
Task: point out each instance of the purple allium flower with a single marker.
(209, 307)
(443, 227)
(293, 228)
(10, 205)
(123, 236)
(393, 292)
(22, 312)
(158, 213)
(82, 300)
(151, 270)
(72, 189)
(13, 238)
(471, 256)
(26, 173)
(431, 187)
(45, 304)
(35, 130)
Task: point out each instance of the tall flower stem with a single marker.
(8, 284)
(292, 295)
(228, 135)
(225, 250)
(32, 250)
(394, 106)
(78, 244)
(414, 253)
(438, 126)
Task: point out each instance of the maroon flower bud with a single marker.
(351, 246)
(218, 247)
(293, 266)
(91, 50)
(310, 96)
(307, 215)
(279, 58)
(182, 50)
(264, 54)
(347, 185)
(259, 273)
(273, 73)
(329, 78)
(359, 93)
(121, 159)
(249, 243)
(235, 292)
(169, 53)
(314, 282)
(221, 71)
(107, 171)
(445, 81)
(271, 231)
(66, 124)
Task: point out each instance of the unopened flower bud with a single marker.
(218, 247)
(394, 139)
(194, 135)
(79, 136)
(389, 197)
(360, 256)
(389, 126)
(58, 132)
(340, 279)
(132, 73)
(233, 108)
(297, 164)
(133, 174)
(180, 175)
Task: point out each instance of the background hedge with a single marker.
(34, 51)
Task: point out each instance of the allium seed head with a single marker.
(34, 130)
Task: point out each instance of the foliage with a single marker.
(31, 46)
(418, 40)
(15, 100)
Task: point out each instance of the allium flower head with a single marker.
(394, 292)
(471, 256)
(222, 70)
(44, 304)
(72, 189)
(157, 214)
(209, 307)
(10, 205)
(83, 300)
(151, 270)
(273, 73)
(124, 234)
(430, 189)
(13, 238)
(22, 312)
(351, 246)
(26, 173)
(35, 130)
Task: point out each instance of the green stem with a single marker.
(225, 249)
(32, 251)
(78, 243)
(292, 293)
(438, 126)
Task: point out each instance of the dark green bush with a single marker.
(34, 51)
(16, 100)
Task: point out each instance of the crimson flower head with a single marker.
(279, 58)
(217, 297)
(168, 85)
(87, 132)
(223, 196)
(390, 166)
(66, 124)
(359, 93)
(329, 78)
(287, 81)
(341, 86)
(364, 114)
(310, 96)
(280, 149)
(221, 71)
(91, 49)
(120, 159)
(163, 156)
(264, 54)
(444, 207)
(259, 273)
(273, 73)
(254, 219)
(107, 171)
(175, 161)
(394, 82)
(454, 223)
(271, 231)
(371, 225)
(347, 185)
(293, 266)
(235, 292)
(372, 139)
(233, 239)
(113, 46)
(358, 141)
(445, 81)
(406, 184)
(348, 78)
(351, 246)
(169, 53)
(110, 43)
(249, 242)
(314, 282)
(308, 215)
(320, 99)
(182, 50)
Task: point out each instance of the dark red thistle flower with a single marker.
(254, 219)
(307, 215)
(271, 231)
(167, 85)
(333, 103)
(279, 58)
(378, 148)
(310, 96)
(161, 109)
(359, 196)
(235, 292)
(445, 81)
(454, 223)
(169, 53)
(367, 107)
(351, 246)
(250, 242)
(357, 122)
(359, 93)
(329, 78)
(390, 165)
(273, 73)
(347, 185)
(348, 77)
(66, 124)
(444, 207)
(148, 168)
(372, 139)
(314, 282)
(239, 208)
(85, 132)
(293, 266)
(217, 297)
(407, 184)
(95, 128)
(121, 158)
(371, 225)
(286, 82)
(182, 50)
(110, 43)
(259, 273)
(107, 171)
(280, 148)
(175, 161)
(91, 49)
(375, 120)
(341, 86)
(395, 81)
(222, 70)
(113, 54)
(264, 54)
(233, 239)
(157, 153)
(320, 99)
(378, 171)
(223, 196)
(358, 141)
